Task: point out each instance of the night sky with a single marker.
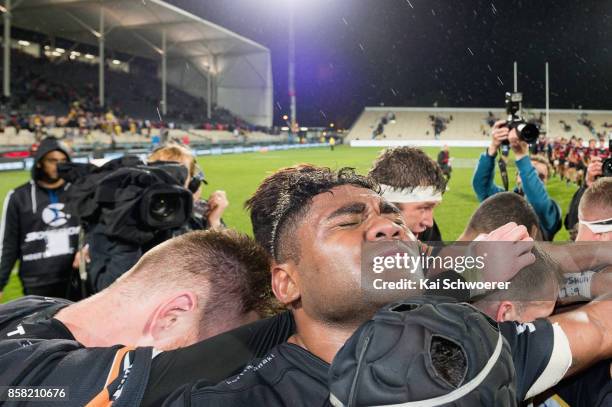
(357, 53)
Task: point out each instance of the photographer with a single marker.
(532, 176)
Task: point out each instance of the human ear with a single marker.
(171, 314)
(285, 283)
(507, 312)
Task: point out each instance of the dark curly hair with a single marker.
(283, 199)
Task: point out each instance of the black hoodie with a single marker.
(36, 230)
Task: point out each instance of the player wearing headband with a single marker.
(415, 184)
(595, 212)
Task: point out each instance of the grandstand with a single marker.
(69, 65)
(472, 124)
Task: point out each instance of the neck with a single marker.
(51, 185)
(99, 321)
(216, 327)
(320, 338)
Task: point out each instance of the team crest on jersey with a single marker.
(53, 215)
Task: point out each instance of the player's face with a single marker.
(585, 234)
(419, 215)
(330, 241)
(49, 164)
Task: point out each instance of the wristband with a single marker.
(577, 285)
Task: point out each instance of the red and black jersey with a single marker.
(591, 152)
(573, 155)
(561, 152)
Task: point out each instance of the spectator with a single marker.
(533, 173)
(415, 184)
(444, 161)
(37, 231)
(490, 119)
(332, 143)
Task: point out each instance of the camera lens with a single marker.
(164, 206)
(528, 132)
(607, 168)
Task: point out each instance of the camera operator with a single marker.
(36, 228)
(533, 173)
(119, 229)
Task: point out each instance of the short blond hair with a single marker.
(227, 270)
(597, 197)
(175, 152)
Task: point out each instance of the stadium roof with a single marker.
(132, 26)
(136, 27)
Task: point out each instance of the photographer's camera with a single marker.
(526, 132)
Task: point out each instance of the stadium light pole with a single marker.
(7, 49)
(164, 75)
(208, 93)
(515, 77)
(547, 101)
(292, 97)
(101, 59)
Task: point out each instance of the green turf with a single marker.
(240, 174)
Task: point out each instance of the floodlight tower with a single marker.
(292, 98)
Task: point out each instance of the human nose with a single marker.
(383, 229)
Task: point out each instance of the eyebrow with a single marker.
(387, 207)
(355, 208)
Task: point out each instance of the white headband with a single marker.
(409, 195)
(598, 226)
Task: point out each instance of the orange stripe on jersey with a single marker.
(102, 399)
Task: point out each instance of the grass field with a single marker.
(240, 174)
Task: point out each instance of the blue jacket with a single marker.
(548, 211)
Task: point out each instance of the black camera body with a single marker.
(125, 207)
(606, 168)
(527, 132)
(131, 199)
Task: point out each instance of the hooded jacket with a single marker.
(36, 229)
